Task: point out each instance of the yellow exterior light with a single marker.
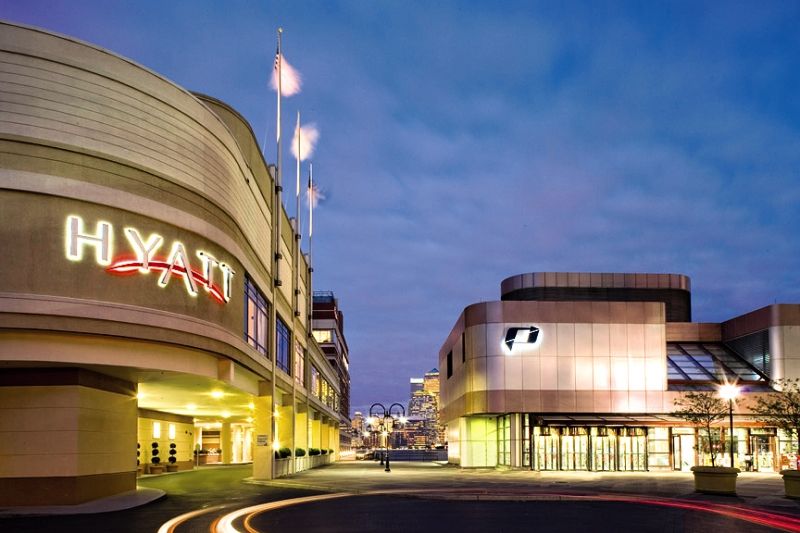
(729, 392)
(226, 414)
(191, 406)
(276, 445)
(217, 394)
(252, 406)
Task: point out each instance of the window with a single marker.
(449, 364)
(314, 381)
(299, 364)
(282, 348)
(255, 312)
(463, 347)
(504, 440)
(323, 336)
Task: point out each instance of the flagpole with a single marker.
(279, 167)
(297, 231)
(276, 213)
(310, 246)
(297, 184)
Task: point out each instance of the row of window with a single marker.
(322, 389)
(256, 333)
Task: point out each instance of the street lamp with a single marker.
(384, 424)
(729, 392)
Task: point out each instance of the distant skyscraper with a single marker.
(431, 382)
(423, 409)
(416, 384)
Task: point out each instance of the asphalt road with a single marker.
(392, 514)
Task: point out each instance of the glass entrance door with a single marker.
(547, 451)
(633, 453)
(603, 452)
(682, 452)
(574, 452)
(763, 458)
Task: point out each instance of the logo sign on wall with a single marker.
(144, 258)
(521, 335)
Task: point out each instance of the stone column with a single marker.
(67, 436)
(262, 427)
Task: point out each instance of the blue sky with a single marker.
(464, 142)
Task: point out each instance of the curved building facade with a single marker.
(580, 371)
(153, 293)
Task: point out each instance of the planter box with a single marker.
(155, 469)
(715, 479)
(281, 467)
(172, 468)
(791, 483)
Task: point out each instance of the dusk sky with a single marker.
(465, 142)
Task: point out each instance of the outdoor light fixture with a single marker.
(191, 406)
(217, 394)
(383, 424)
(730, 392)
(226, 414)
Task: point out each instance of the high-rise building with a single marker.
(416, 384)
(431, 381)
(357, 430)
(328, 330)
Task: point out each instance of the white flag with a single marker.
(291, 81)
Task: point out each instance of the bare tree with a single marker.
(702, 409)
(782, 408)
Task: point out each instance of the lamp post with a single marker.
(384, 423)
(729, 392)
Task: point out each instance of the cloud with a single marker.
(465, 145)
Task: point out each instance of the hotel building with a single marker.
(580, 371)
(153, 292)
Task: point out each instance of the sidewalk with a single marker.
(764, 490)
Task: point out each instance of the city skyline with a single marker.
(464, 143)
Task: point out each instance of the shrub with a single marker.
(330, 451)
(324, 451)
(284, 452)
(313, 451)
(138, 453)
(299, 452)
(172, 452)
(154, 452)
